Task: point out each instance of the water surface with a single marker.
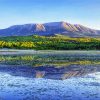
(50, 77)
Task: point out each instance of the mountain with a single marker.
(50, 29)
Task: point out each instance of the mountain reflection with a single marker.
(49, 66)
(50, 72)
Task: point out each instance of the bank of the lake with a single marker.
(77, 52)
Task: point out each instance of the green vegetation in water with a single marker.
(37, 60)
(58, 42)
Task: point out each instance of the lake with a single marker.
(49, 75)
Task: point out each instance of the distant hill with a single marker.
(50, 29)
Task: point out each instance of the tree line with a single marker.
(58, 42)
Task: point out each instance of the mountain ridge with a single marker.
(50, 29)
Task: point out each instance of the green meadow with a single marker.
(57, 42)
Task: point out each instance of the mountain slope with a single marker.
(50, 29)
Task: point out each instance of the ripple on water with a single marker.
(24, 88)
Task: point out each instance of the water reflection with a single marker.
(50, 72)
(49, 66)
(24, 88)
(33, 77)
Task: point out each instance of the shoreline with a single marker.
(16, 51)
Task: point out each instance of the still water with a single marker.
(49, 77)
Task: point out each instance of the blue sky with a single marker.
(85, 12)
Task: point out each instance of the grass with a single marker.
(50, 43)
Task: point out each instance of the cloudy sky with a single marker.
(85, 12)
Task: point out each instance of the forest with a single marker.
(57, 42)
